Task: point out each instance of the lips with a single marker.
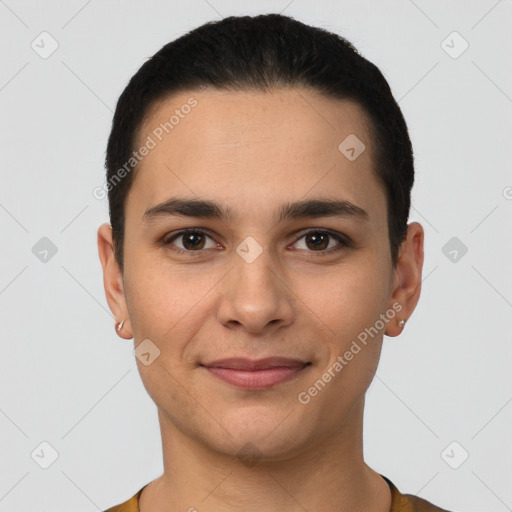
(256, 374)
(259, 364)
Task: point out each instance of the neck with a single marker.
(329, 475)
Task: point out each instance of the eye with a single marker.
(320, 241)
(192, 240)
(315, 240)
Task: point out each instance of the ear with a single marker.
(406, 286)
(113, 280)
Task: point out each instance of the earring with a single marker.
(120, 326)
(401, 324)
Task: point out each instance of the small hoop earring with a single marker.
(401, 324)
(120, 326)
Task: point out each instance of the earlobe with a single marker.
(395, 327)
(122, 333)
(407, 282)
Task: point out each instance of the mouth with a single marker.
(256, 374)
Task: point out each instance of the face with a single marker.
(286, 254)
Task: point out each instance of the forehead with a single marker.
(260, 147)
(286, 116)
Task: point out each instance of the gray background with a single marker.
(68, 380)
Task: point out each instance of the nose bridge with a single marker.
(254, 273)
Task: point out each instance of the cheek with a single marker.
(166, 304)
(347, 301)
(173, 394)
(155, 299)
(347, 298)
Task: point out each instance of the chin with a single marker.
(259, 434)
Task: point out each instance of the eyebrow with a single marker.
(207, 209)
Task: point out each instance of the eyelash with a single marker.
(343, 240)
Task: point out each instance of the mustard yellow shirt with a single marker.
(399, 502)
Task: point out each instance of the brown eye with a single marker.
(317, 240)
(191, 241)
(321, 241)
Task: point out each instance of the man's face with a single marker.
(253, 285)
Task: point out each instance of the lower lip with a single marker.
(257, 379)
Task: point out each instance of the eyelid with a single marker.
(344, 240)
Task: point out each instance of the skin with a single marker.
(253, 152)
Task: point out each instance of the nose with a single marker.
(255, 295)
